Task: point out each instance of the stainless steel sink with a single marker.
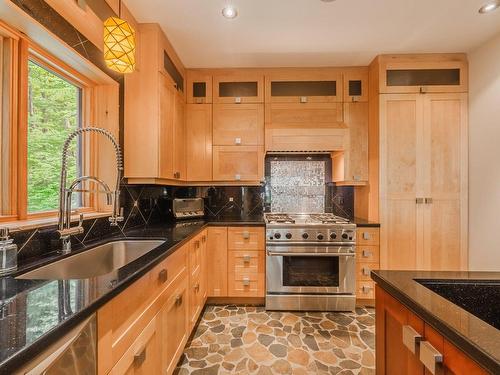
(94, 262)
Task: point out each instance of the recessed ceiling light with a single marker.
(489, 6)
(229, 12)
(328, 1)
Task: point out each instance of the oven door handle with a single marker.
(291, 254)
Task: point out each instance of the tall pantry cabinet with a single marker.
(421, 120)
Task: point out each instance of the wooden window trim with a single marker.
(27, 50)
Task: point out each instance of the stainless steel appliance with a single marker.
(188, 208)
(310, 262)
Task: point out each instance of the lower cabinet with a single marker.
(175, 329)
(143, 330)
(367, 259)
(408, 345)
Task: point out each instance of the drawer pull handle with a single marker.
(237, 100)
(430, 357)
(246, 281)
(303, 99)
(196, 244)
(246, 235)
(366, 289)
(237, 177)
(366, 271)
(197, 287)
(246, 258)
(163, 275)
(140, 357)
(367, 236)
(411, 338)
(367, 254)
(178, 300)
(203, 238)
(237, 141)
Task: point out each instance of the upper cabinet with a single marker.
(356, 85)
(236, 125)
(198, 87)
(422, 73)
(238, 86)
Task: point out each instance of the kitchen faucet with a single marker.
(64, 229)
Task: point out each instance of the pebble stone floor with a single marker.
(249, 340)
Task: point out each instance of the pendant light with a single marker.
(119, 44)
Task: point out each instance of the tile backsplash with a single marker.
(297, 185)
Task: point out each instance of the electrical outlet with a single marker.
(231, 199)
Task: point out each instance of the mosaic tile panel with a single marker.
(297, 185)
(249, 340)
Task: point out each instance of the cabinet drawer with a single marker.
(235, 163)
(143, 356)
(246, 261)
(246, 284)
(365, 289)
(367, 236)
(305, 115)
(363, 270)
(367, 253)
(238, 124)
(245, 238)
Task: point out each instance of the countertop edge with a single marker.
(473, 351)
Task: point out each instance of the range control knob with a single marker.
(345, 236)
(288, 235)
(320, 236)
(333, 235)
(305, 236)
(277, 235)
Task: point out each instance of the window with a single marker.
(54, 112)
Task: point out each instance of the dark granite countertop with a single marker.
(35, 311)
(363, 223)
(477, 338)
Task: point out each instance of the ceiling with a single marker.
(274, 33)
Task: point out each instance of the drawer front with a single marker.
(246, 261)
(305, 115)
(163, 274)
(235, 125)
(367, 253)
(365, 289)
(245, 238)
(363, 270)
(246, 285)
(367, 236)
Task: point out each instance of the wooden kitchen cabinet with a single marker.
(174, 316)
(428, 73)
(393, 357)
(198, 87)
(350, 165)
(423, 188)
(179, 137)
(238, 124)
(166, 134)
(246, 238)
(197, 277)
(199, 142)
(217, 261)
(238, 86)
(367, 259)
(355, 84)
(143, 356)
(238, 163)
(400, 340)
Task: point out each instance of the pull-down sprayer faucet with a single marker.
(65, 230)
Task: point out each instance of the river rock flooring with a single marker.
(248, 340)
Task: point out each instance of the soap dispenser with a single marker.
(8, 253)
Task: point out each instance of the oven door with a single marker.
(311, 270)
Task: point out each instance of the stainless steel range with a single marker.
(310, 262)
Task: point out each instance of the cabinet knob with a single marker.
(199, 100)
(237, 100)
(355, 99)
(177, 175)
(303, 99)
(237, 177)
(246, 281)
(140, 357)
(197, 287)
(163, 275)
(178, 299)
(367, 236)
(430, 357)
(429, 200)
(237, 141)
(366, 271)
(411, 338)
(203, 238)
(246, 258)
(366, 289)
(246, 235)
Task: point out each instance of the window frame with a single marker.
(26, 50)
